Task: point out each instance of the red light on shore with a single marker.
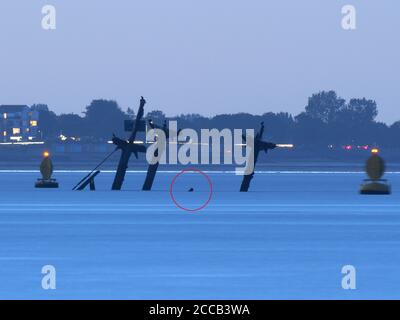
(348, 147)
(46, 154)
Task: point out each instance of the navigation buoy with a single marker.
(46, 169)
(375, 169)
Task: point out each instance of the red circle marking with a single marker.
(172, 193)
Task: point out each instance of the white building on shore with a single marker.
(18, 123)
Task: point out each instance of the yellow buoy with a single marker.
(375, 168)
(46, 169)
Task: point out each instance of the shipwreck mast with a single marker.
(128, 147)
(259, 145)
(152, 169)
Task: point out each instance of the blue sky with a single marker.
(208, 56)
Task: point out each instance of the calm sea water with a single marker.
(287, 238)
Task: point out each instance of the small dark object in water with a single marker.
(191, 190)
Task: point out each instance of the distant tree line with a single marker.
(326, 120)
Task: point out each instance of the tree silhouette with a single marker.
(327, 119)
(157, 116)
(324, 106)
(103, 118)
(72, 125)
(47, 121)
